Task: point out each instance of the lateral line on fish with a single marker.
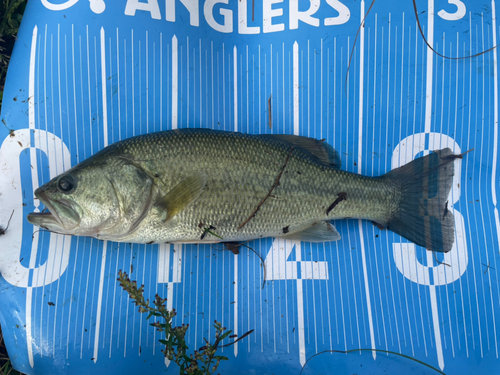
(270, 191)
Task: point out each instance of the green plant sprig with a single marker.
(202, 361)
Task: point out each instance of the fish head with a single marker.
(81, 201)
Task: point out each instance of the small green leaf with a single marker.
(221, 358)
(225, 335)
(164, 342)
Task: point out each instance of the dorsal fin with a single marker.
(322, 150)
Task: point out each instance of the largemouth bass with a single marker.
(200, 185)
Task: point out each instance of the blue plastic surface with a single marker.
(86, 74)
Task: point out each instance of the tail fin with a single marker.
(423, 216)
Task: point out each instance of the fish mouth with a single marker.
(61, 215)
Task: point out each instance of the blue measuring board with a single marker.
(85, 74)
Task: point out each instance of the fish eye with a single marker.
(66, 184)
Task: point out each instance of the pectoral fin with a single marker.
(319, 232)
(186, 192)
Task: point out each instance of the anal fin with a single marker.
(318, 232)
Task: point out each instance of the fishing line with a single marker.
(263, 264)
(421, 34)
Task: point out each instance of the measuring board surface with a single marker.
(85, 74)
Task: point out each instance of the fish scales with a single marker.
(241, 170)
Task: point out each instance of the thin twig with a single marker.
(2, 231)
(487, 267)
(362, 24)
(270, 113)
(341, 197)
(238, 339)
(438, 261)
(270, 191)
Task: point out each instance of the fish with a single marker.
(211, 186)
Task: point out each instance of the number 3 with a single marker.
(460, 13)
(455, 261)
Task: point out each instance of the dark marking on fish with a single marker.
(378, 225)
(157, 175)
(286, 229)
(340, 197)
(445, 210)
(298, 172)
